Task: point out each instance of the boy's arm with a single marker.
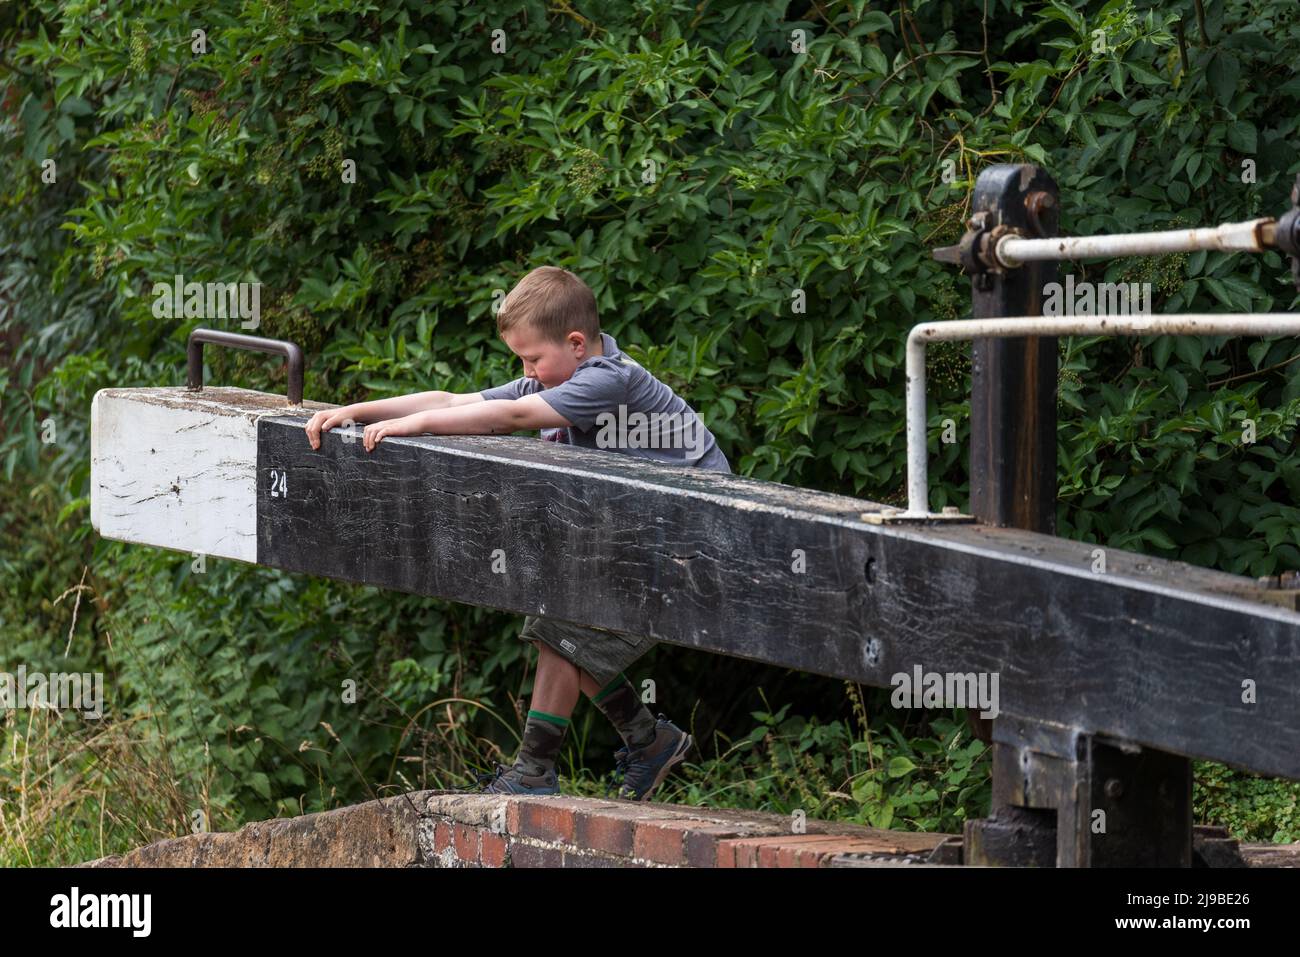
(474, 416)
(379, 410)
(403, 405)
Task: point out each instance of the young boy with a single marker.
(581, 390)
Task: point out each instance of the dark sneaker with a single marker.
(643, 769)
(513, 780)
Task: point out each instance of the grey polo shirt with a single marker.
(616, 405)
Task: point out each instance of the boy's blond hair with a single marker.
(553, 302)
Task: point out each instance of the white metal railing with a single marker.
(1256, 235)
(1015, 327)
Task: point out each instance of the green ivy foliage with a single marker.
(756, 221)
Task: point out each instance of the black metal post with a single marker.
(1013, 381)
(1061, 796)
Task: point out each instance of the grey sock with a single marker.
(543, 735)
(618, 701)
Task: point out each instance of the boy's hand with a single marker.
(376, 431)
(323, 421)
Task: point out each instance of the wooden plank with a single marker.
(176, 469)
(1150, 652)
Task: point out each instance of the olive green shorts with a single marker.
(600, 653)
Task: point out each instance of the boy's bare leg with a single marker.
(558, 682)
(555, 692)
(556, 687)
(652, 745)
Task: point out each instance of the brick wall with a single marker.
(482, 830)
(460, 829)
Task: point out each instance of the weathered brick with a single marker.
(785, 851)
(481, 810)
(636, 811)
(599, 830)
(702, 843)
(659, 841)
(492, 852)
(682, 843)
(441, 836)
(532, 855)
(467, 843)
(742, 852)
(546, 821)
(582, 859)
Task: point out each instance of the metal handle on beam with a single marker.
(291, 352)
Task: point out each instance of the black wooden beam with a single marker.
(1150, 652)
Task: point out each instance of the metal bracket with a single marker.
(951, 515)
(1282, 589)
(975, 253)
(987, 250)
